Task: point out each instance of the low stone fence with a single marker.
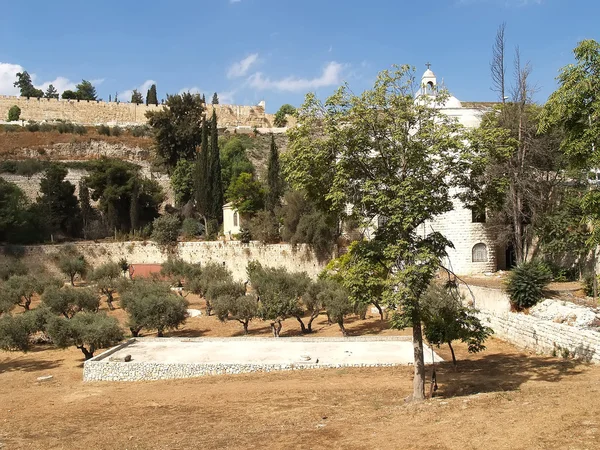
(533, 333)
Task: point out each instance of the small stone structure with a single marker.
(170, 358)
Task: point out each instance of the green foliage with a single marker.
(20, 223)
(447, 320)
(87, 331)
(140, 131)
(211, 274)
(107, 277)
(525, 284)
(136, 97)
(151, 96)
(165, 229)
(71, 263)
(280, 293)
(68, 301)
(103, 130)
(179, 271)
(85, 91)
(190, 228)
(153, 306)
(116, 131)
(202, 175)
(51, 92)
(588, 285)
(14, 113)
(225, 289)
(69, 95)
(234, 161)
(337, 303)
(363, 272)
(274, 179)
(10, 266)
(280, 119)
(264, 227)
(26, 87)
(245, 235)
(18, 290)
(182, 181)
(214, 165)
(59, 203)
(15, 330)
(177, 128)
(115, 184)
(243, 309)
(215, 99)
(246, 194)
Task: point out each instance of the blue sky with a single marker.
(253, 50)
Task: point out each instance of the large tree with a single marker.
(216, 183)
(137, 97)
(389, 155)
(51, 92)
(26, 87)
(86, 91)
(59, 202)
(177, 128)
(151, 96)
(201, 181)
(215, 99)
(280, 115)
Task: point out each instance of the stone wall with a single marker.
(97, 112)
(530, 332)
(234, 255)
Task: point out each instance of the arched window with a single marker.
(480, 253)
(235, 218)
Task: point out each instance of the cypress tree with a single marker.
(202, 175)
(151, 96)
(203, 99)
(274, 181)
(134, 211)
(215, 99)
(216, 183)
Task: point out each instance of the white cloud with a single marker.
(226, 98)
(241, 68)
(8, 75)
(330, 76)
(125, 96)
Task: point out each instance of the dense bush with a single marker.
(165, 229)
(211, 274)
(14, 113)
(526, 283)
(190, 228)
(140, 131)
(264, 227)
(116, 131)
(103, 130)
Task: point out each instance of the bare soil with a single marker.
(499, 399)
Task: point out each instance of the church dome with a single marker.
(428, 74)
(452, 102)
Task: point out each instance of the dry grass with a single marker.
(499, 399)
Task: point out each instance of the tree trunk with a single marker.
(72, 279)
(135, 332)
(245, 324)
(87, 353)
(313, 316)
(376, 304)
(208, 307)
(302, 326)
(276, 327)
(329, 322)
(342, 328)
(452, 351)
(109, 301)
(160, 333)
(419, 360)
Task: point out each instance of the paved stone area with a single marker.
(153, 359)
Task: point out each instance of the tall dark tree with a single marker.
(86, 91)
(177, 128)
(59, 202)
(136, 97)
(274, 180)
(26, 86)
(151, 96)
(202, 176)
(87, 212)
(215, 99)
(69, 95)
(216, 183)
(51, 92)
(203, 99)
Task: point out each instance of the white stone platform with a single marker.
(167, 358)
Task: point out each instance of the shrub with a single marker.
(103, 130)
(140, 131)
(265, 227)
(47, 127)
(526, 283)
(588, 285)
(33, 127)
(211, 274)
(116, 131)
(14, 113)
(165, 229)
(245, 236)
(190, 228)
(79, 129)
(65, 127)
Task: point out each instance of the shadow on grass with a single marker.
(28, 365)
(501, 372)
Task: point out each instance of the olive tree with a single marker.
(19, 290)
(153, 306)
(337, 303)
(87, 331)
(243, 308)
(68, 301)
(106, 278)
(211, 273)
(446, 319)
(71, 263)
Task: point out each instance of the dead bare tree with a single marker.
(497, 65)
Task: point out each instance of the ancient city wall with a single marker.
(97, 112)
(234, 255)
